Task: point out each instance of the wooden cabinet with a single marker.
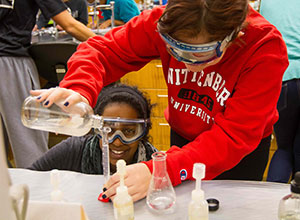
(150, 80)
(149, 77)
(273, 148)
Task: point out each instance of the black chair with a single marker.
(51, 59)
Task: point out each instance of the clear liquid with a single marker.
(123, 207)
(75, 121)
(161, 204)
(198, 211)
(125, 212)
(289, 207)
(126, 217)
(105, 153)
(290, 215)
(74, 126)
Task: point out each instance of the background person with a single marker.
(223, 64)
(286, 159)
(160, 2)
(18, 71)
(77, 8)
(114, 101)
(124, 10)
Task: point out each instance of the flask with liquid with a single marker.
(198, 207)
(289, 206)
(75, 120)
(123, 203)
(161, 196)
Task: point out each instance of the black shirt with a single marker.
(17, 19)
(78, 9)
(67, 155)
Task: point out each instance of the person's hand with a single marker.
(35, 28)
(52, 95)
(105, 24)
(92, 25)
(137, 179)
(58, 27)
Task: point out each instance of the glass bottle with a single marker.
(161, 196)
(76, 120)
(105, 152)
(123, 203)
(56, 194)
(289, 206)
(198, 207)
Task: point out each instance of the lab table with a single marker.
(247, 200)
(48, 35)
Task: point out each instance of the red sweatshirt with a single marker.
(224, 110)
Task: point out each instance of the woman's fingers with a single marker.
(137, 180)
(138, 196)
(42, 94)
(110, 187)
(134, 193)
(75, 98)
(36, 92)
(53, 95)
(58, 94)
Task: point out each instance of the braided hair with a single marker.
(130, 95)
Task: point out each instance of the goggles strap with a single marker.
(226, 40)
(219, 51)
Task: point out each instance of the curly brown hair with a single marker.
(214, 18)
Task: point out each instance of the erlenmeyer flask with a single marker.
(161, 196)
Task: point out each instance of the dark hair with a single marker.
(215, 18)
(130, 95)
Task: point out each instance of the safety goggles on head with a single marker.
(127, 130)
(195, 54)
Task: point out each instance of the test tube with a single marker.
(105, 153)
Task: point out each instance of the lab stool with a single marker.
(51, 59)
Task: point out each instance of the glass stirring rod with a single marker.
(105, 158)
(105, 153)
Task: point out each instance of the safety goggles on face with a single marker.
(195, 54)
(127, 130)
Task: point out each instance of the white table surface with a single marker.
(246, 200)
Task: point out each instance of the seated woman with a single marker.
(126, 141)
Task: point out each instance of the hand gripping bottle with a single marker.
(198, 207)
(76, 120)
(123, 204)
